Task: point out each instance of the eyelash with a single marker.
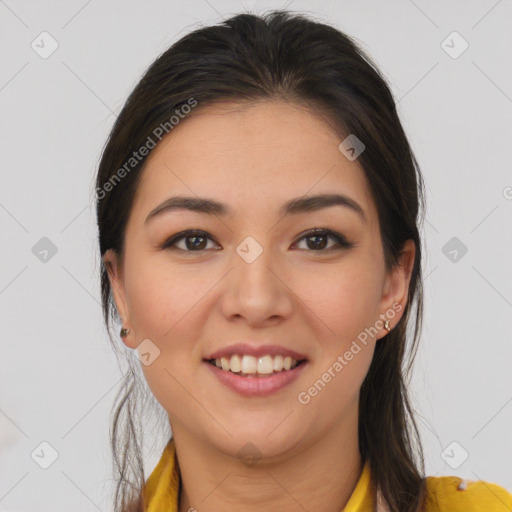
(341, 241)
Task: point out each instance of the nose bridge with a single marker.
(255, 289)
(254, 264)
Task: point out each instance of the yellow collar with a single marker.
(163, 485)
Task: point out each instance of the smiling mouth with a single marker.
(250, 366)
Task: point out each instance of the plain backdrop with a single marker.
(58, 375)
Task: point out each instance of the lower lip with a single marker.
(257, 386)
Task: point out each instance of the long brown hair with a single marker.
(288, 57)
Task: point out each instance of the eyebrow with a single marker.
(293, 206)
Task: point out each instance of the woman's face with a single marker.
(255, 278)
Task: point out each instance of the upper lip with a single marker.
(256, 351)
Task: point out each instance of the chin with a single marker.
(251, 444)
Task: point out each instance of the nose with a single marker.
(257, 291)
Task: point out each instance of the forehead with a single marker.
(253, 157)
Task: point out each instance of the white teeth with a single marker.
(249, 364)
(264, 365)
(235, 363)
(278, 363)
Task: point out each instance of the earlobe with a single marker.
(114, 269)
(396, 291)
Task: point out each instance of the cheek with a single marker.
(161, 307)
(346, 298)
(341, 387)
(165, 306)
(158, 296)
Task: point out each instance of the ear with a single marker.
(396, 286)
(114, 267)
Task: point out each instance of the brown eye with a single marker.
(317, 240)
(195, 241)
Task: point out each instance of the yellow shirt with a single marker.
(444, 495)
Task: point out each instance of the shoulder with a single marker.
(454, 494)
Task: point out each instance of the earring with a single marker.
(124, 332)
(386, 326)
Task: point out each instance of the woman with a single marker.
(258, 211)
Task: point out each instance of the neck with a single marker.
(322, 476)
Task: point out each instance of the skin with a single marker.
(254, 158)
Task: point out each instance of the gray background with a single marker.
(58, 375)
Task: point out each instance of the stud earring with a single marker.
(386, 326)
(124, 332)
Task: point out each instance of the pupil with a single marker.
(195, 245)
(315, 243)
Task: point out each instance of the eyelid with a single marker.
(341, 241)
(169, 243)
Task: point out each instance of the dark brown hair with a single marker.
(287, 57)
